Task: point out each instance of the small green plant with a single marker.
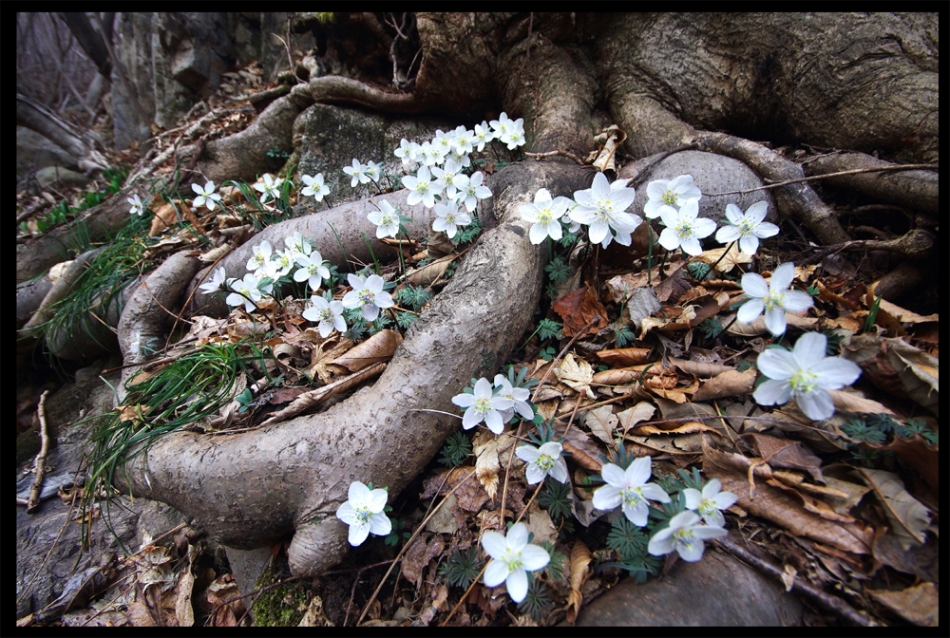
(555, 498)
(557, 270)
(468, 233)
(711, 327)
(547, 353)
(462, 567)
(623, 334)
(456, 449)
(537, 603)
(413, 297)
(630, 542)
(548, 329)
(277, 154)
(699, 271)
(914, 427)
(400, 531)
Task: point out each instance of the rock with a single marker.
(713, 174)
(328, 138)
(59, 177)
(718, 590)
(34, 151)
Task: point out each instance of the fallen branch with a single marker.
(40, 465)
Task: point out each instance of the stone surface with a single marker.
(719, 590)
(33, 152)
(58, 177)
(713, 174)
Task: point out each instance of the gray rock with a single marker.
(327, 138)
(713, 174)
(34, 151)
(719, 590)
(59, 177)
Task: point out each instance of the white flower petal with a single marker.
(777, 363)
(495, 573)
(816, 405)
(772, 392)
(517, 583)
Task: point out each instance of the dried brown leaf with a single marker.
(601, 422)
(580, 572)
(377, 349)
(576, 374)
(909, 517)
(785, 453)
(919, 604)
(642, 411)
(581, 312)
(419, 555)
(624, 356)
(430, 272)
(728, 384)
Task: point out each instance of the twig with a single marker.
(37, 486)
(567, 154)
(828, 601)
(408, 544)
(511, 456)
(854, 171)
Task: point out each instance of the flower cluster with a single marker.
(494, 404)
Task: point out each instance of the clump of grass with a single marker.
(193, 386)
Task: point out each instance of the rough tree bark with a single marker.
(864, 82)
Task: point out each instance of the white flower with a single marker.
(673, 192)
(206, 196)
(804, 374)
(216, 281)
(269, 187)
(464, 141)
(748, 228)
(373, 171)
(261, 256)
(502, 126)
(483, 135)
(246, 291)
(546, 215)
(428, 155)
(774, 298)
(313, 269)
(328, 313)
(423, 190)
(543, 461)
(472, 191)
(512, 557)
(363, 512)
(449, 218)
(407, 151)
(483, 405)
(280, 264)
(358, 172)
(515, 139)
(367, 295)
(684, 228)
(685, 536)
(443, 143)
(630, 489)
(449, 178)
(602, 208)
(504, 389)
(137, 206)
(709, 502)
(386, 220)
(298, 245)
(315, 187)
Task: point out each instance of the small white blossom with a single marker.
(684, 535)
(464, 141)
(684, 228)
(315, 187)
(804, 374)
(669, 192)
(483, 135)
(280, 264)
(329, 314)
(512, 557)
(519, 396)
(373, 171)
(449, 218)
(363, 512)
(748, 228)
(423, 189)
(216, 282)
(357, 172)
(298, 245)
(246, 291)
(774, 298)
(449, 178)
(261, 257)
(602, 206)
(408, 151)
(367, 295)
(472, 191)
(312, 269)
(206, 196)
(543, 461)
(137, 206)
(443, 143)
(545, 214)
(630, 489)
(483, 405)
(386, 220)
(269, 187)
(709, 502)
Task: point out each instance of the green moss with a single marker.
(282, 606)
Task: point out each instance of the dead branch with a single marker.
(40, 465)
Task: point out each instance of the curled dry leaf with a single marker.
(919, 604)
(728, 384)
(487, 448)
(581, 312)
(577, 374)
(642, 411)
(419, 555)
(909, 518)
(377, 349)
(624, 356)
(601, 422)
(580, 572)
(430, 272)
